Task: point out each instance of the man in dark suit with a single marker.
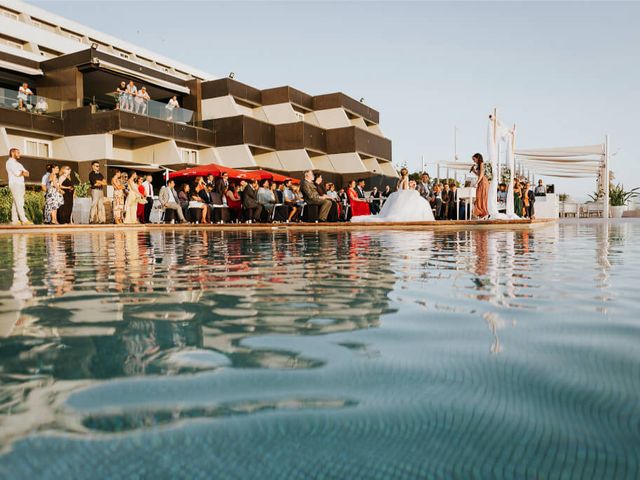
(424, 186)
(311, 196)
(222, 183)
(205, 195)
(360, 188)
(250, 201)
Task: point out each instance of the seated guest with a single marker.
(205, 196)
(183, 199)
(266, 197)
(424, 186)
(385, 193)
(333, 195)
(311, 196)
(359, 206)
(290, 200)
(540, 190)
(199, 184)
(219, 209)
(250, 201)
(169, 199)
(322, 191)
(342, 195)
(197, 208)
(234, 202)
(375, 201)
(281, 210)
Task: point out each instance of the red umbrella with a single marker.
(204, 170)
(266, 175)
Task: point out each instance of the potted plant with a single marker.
(81, 201)
(618, 199)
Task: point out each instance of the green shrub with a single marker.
(33, 205)
(81, 189)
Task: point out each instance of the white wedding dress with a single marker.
(403, 205)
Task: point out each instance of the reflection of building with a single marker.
(217, 289)
(77, 70)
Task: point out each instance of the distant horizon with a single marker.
(561, 71)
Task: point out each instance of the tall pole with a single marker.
(438, 171)
(455, 143)
(422, 163)
(605, 212)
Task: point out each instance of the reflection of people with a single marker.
(16, 173)
(480, 208)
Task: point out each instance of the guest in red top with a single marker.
(140, 211)
(234, 202)
(359, 206)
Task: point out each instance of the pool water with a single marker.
(321, 354)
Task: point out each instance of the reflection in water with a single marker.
(117, 334)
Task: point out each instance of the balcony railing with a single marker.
(149, 108)
(35, 104)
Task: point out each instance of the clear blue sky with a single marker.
(566, 73)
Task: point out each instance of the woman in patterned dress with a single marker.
(53, 197)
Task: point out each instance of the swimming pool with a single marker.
(382, 354)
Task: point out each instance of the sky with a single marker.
(566, 73)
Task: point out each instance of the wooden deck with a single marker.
(436, 225)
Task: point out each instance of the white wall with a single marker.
(220, 107)
(331, 118)
(83, 147)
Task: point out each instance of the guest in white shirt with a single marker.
(23, 96)
(148, 193)
(132, 91)
(42, 106)
(171, 106)
(16, 173)
(142, 99)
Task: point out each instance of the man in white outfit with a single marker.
(16, 173)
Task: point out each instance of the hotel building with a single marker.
(71, 118)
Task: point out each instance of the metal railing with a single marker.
(31, 103)
(139, 106)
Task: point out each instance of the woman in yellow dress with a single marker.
(131, 206)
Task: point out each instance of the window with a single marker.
(43, 25)
(189, 155)
(300, 116)
(37, 148)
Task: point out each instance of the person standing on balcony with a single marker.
(148, 193)
(171, 106)
(132, 91)
(16, 173)
(121, 92)
(142, 101)
(97, 182)
(24, 92)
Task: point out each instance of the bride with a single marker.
(403, 205)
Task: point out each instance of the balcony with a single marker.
(33, 113)
(85, 121)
